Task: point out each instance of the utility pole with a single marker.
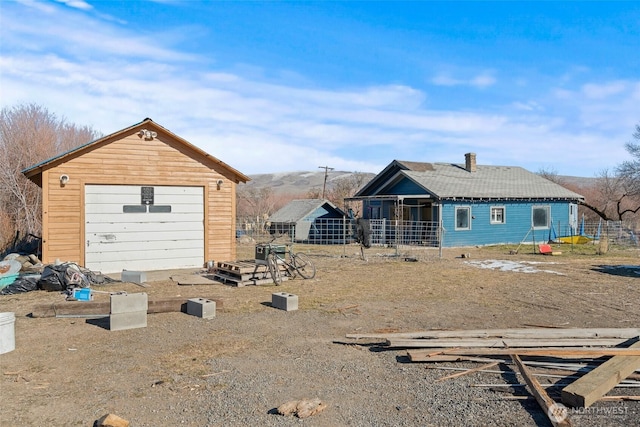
(326, 172)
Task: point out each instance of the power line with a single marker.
(326, 173)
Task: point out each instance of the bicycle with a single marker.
(282, 255)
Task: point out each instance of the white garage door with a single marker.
(143, 228)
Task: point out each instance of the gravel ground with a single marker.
(234, 370)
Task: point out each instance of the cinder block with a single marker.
(284, 301)
(132, 320)
(133, 276)
(201, 307)
(129, 303)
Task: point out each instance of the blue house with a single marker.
(466, 204)
(310, 220)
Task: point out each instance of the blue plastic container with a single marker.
(82, 294)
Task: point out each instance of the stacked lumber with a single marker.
(242, 273)
(572, 357)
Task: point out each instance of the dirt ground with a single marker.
(70, 371)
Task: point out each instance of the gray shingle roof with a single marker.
(446, 180)
(296, 210)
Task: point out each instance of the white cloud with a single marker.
(600, 91)
(527, 106)
(483, 81)
(480, 81)
(77, 4)
(109, 77)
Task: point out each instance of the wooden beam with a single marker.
(592, 386)
(574, 353)
(541, 333)
(469, 371)
(557, 414)
(501, 342)
(102, 308)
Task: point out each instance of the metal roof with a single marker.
(296, 210)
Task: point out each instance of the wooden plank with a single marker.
(469, 371)
(102, 308)
(242, 267)
(569, 352)
(224, 278)
(501, 342)
(453, 358)
(557, 414)
(546, 333)
(194, 279)
(592, 386)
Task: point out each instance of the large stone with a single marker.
(111, 420)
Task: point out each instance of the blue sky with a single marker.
(290, 86)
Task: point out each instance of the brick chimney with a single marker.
(470, 162)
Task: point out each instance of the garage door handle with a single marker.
(87, 243)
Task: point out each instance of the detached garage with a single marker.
(139, 199)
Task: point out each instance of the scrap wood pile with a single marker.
(584, 364)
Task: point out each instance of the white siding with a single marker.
(117, 241)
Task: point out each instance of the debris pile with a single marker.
(25, 273)
(571, 361)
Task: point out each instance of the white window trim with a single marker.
(504, 215)
(455, 219)
(548, 209)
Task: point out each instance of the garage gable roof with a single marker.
(34, 172)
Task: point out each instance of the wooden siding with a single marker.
(131, 160)
(516, 226)
(405, 186)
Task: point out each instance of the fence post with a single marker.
(440, 237)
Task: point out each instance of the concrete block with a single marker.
(132, 320)
(129, 303)
(201, 307)
(133, 276)
(284, 301)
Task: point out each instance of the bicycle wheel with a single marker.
(274, 268)
(303, 265)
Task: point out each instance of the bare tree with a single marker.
(254, 206)
(551, 175)
(618, 193)
(345, 187)
(29, 134)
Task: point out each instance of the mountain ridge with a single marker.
(302, 182)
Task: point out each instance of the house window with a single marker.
(375, 212)
(497, 215)
(540, 216)
(463, 218)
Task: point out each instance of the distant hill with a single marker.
(578, 181)
(298, 182)
(301, 182)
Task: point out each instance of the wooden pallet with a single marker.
(241, 267)
(243, 273)
(235, 281)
